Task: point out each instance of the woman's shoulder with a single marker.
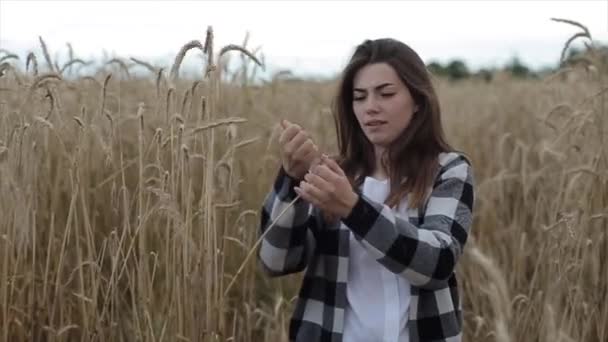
(452, 158)
(454, 164)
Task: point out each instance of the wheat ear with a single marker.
(181, 54)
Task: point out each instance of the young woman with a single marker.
(380, 230)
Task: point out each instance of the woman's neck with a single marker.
(379, 175)
(379, 171)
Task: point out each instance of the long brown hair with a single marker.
(411, 160)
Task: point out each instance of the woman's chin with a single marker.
(377, 141)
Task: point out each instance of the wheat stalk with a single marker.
(9, 56)
(584, 34)
(159, 76)
(71, 63)
(232, 47)
(121, 64)
(257, 243)
(146, 65)
(42, 79)
(46, 54)
(52, 100)
(4, 66)
(193, 44)
(31, 58)
(70, 51)
(208, 49)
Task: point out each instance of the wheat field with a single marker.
(129, 204)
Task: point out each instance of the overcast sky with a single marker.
(309, 37)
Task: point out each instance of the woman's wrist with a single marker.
(351, 201)
(290, 175)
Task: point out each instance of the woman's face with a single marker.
(382, 103)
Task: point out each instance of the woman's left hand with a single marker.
(326, 187)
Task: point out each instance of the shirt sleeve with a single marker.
(288, 245)
(425, 255)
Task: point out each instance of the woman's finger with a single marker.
(289, 133)
(333, 165)
(296, 142)
(325, 173)
(315, 192)
(304, 150)
(318, 182)
(307, 196)
(285, 123)
(312, 158)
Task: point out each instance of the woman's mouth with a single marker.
(375, 123)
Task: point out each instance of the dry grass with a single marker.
(128, 205)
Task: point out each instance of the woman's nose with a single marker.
(371, 105)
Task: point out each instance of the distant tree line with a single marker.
(457, 69)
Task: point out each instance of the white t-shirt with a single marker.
(377, 300)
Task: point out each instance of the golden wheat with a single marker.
(130, 206)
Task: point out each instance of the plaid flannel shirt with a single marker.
(424, 248)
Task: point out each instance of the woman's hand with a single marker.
(327, 188)
(298, 152)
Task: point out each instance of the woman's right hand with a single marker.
(298, 152)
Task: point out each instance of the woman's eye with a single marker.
(358, 98)
(388, 95)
